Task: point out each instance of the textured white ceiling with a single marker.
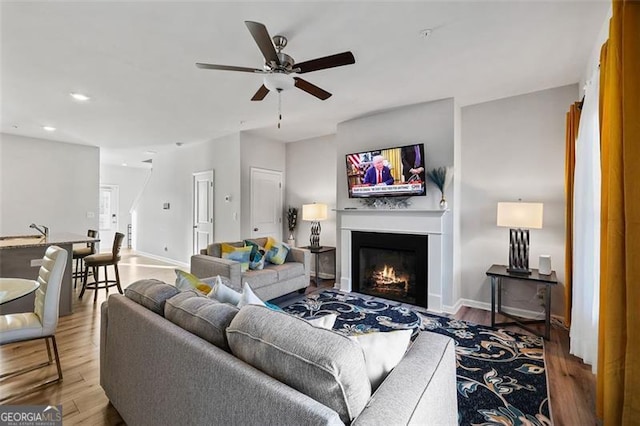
(136, 61)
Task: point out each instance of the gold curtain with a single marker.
(573, 119)
(395, 163)
(618, 379)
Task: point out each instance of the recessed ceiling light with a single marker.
(79, 97)
(150, 152)
(49, 128)
(124, 164)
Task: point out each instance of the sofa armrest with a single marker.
(302, 256)
(104, 322)
(421, 389)
(204, 266)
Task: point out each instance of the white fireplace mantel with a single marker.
(401, 221)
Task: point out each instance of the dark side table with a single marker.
(318, 252)
(497, 273)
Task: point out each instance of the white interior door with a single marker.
(266, 203)
(108, 220)
(202, 210)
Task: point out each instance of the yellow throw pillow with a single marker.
(270, 243)
(187, 281)
(239, 254)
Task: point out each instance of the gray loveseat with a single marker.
(268, 283)
(155, 372)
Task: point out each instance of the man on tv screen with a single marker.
(379, 174)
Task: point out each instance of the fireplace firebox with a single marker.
(391, 266)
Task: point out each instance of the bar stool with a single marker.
(80, 253)
(95, 261)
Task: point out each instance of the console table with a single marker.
(318, 252)
(497, 273)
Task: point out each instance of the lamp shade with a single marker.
(314, 212)
(520, 215)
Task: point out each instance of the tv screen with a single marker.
(391, 172)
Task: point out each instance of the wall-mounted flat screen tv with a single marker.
(391, 172)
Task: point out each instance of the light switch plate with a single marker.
(91, 215)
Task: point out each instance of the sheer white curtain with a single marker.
(586, 231)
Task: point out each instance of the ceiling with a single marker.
(136, 61)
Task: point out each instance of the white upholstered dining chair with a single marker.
(42, 322)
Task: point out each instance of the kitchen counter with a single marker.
(40, 241)
(21, 257)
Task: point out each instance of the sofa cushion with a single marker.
(187, 281)
(260, 278)
(258, 261)
(151, 294)
(382, 352)
(238, 254)
(320, 363)
(326, 321)
(277, 254)
(287, 270)
(204, 317)
(223, 293)
(248, 297)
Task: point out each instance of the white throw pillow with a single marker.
(224, 294)
(382, 352)
(248, 297)
(326, 321)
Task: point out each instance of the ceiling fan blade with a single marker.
(263, 40)
(227, 68)
(338, 60)
(260, 94)
(311, 89)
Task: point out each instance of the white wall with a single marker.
(47, 182)
(261, 153)
(431, 123)
(311, 177)
(171, 182)
(513, 148)
(130, 181)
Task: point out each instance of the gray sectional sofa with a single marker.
(171, 358)
(271, 282)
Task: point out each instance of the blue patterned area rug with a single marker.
(501, 374)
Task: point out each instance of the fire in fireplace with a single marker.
(391, 266)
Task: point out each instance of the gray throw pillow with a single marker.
(151, 294)
(204, 317)
(324, 365)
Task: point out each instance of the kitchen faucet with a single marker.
(44, 231)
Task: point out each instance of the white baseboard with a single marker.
(163, 259)
(452, 309)
(486, 306)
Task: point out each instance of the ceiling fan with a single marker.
(279, 66)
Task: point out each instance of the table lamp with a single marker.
(314, 213)
(520, 217)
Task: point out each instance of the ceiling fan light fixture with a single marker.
(277, 82)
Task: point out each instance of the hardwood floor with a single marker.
(571, 384)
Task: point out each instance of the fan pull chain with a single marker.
(279, 107)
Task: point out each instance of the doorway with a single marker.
(108, 220)
(266, 203)
(203, 186)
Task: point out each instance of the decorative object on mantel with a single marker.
(314, 213)
(520, 217)
(292, 222)
(386, 203)
(441, 177)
